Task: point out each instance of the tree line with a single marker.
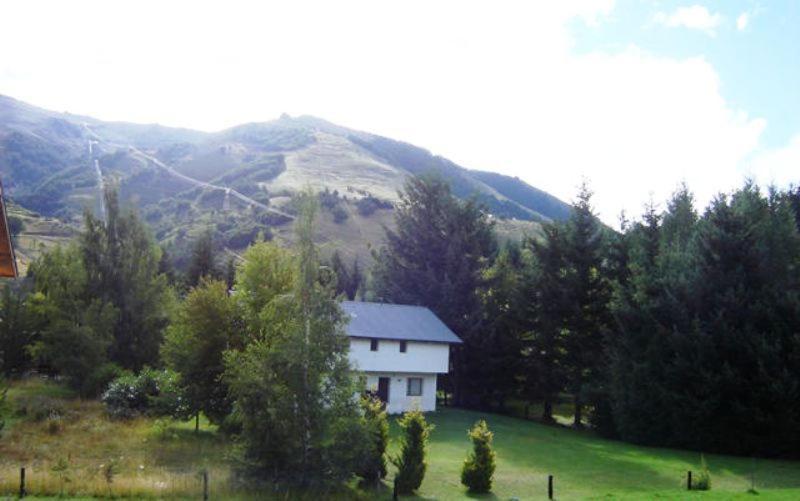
(681, 329)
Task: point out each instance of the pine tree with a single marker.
(411, 464)
(494, 374)
(436, 257)
(478, 468)
(542, 316)
(587, 298)
(376, 422)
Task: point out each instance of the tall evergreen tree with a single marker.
(436, 258)
(494, 375)
(543, 311)
(587, 297)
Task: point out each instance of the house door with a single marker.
(383, 389)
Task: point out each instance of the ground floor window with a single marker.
(414, 387)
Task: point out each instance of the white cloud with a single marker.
(742, 21)
(695, 17)
(779, 166)
(490, 86)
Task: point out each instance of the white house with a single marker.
(401, 349)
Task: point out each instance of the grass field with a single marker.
(70, 449)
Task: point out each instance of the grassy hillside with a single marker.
(54, 164)
(67, 444)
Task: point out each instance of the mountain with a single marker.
(240, 181)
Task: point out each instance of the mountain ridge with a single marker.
(241, 180)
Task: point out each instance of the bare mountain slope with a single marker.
(240, 181)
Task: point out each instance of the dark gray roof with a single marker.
(396, 321)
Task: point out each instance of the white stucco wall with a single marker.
(419, 357)
(398, 400)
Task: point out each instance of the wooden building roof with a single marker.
(8, 262)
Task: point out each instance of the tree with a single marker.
(705, 355)
(543, 309)
(292, 383)
(587, 297)
(230, 273)
(205, 326)
(16, 225)
(376, 423)
(202, 262)
(478, 468)
(121, 267)
(436, 258)
(19, 329)
(411, 464)
(494, 374)
(166, 266)
(77, 332)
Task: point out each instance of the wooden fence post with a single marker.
(549, 486)
(205, 485)
(689, 480)
(22, 491)
(394, 490)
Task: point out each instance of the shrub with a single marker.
(703, 480)
(369, 204)
(479, 466)
(150, 392)
(376, 423)
(410, 463)
(99, 379)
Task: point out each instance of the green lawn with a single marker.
(585, 466)
(161, 459)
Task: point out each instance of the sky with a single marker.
(633, 96)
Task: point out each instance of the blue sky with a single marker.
(634, 96)
(758, 60)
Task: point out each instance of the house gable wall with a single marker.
(419, 357)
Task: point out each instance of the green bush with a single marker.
(99, 379)
(150, 392)
(376, 423)
(410, 463)
(479, 466)
(703, 480)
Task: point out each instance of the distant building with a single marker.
(401, 349)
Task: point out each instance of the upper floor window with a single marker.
(403, 346)
(373, 345)
(414, 388)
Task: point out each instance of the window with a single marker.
(373, 345)
(414, 387)
(403, 347)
